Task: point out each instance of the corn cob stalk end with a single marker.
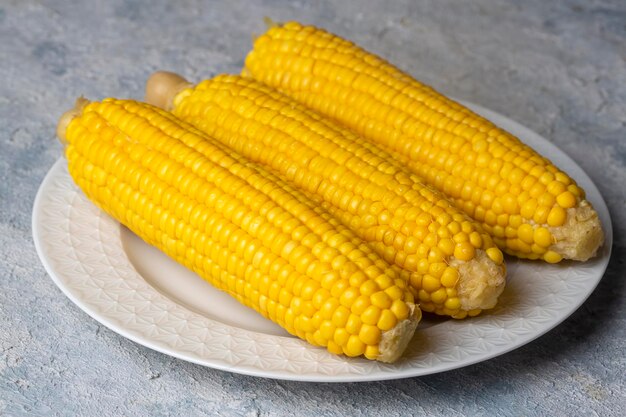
(162, 87)
(484, 282)
(581, 236)
(393, 342)
(67, 117)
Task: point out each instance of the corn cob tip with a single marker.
(581, 236)
(67, 117)
(394, 342)
(162, 87)
(482, 283)
(270, 23)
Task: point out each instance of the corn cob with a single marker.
(456, 269)
(238, 227)
(531, 208)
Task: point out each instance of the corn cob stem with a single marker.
(530, 207)
(68, 116)
(580, 237)
(227, 220)
(447, 279)
(163, 86)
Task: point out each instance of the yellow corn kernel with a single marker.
(566, 199)
(450, 277)
(556, 188)
(543, 237)
(395, 293)
(349, 295)
(387, 320)
(552, 257)
(337, 350)
(372, 352)
(354, 347)
(341, 336)
(371, 315)
(381, 300)
(353, 324)
(546, 200)
(541, 215)
(439, 296)
(340, 316)
(557, 216)
(453, 303)
(464, 251)
(526, 233)
(400, 310)
(327, 330)
(430, 283)
(537, 250)
(369, 334)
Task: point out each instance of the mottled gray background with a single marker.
(557, 67)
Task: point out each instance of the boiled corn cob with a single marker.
(238, 227)
(531, 208)
(456, 269)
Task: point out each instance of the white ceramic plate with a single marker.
(141, 294)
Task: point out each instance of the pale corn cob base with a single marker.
(162, 87)
(394, 342)
(483, 285)
(581, 236)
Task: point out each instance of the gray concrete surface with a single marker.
(556, 67)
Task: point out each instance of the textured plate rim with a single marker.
(367, 370)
